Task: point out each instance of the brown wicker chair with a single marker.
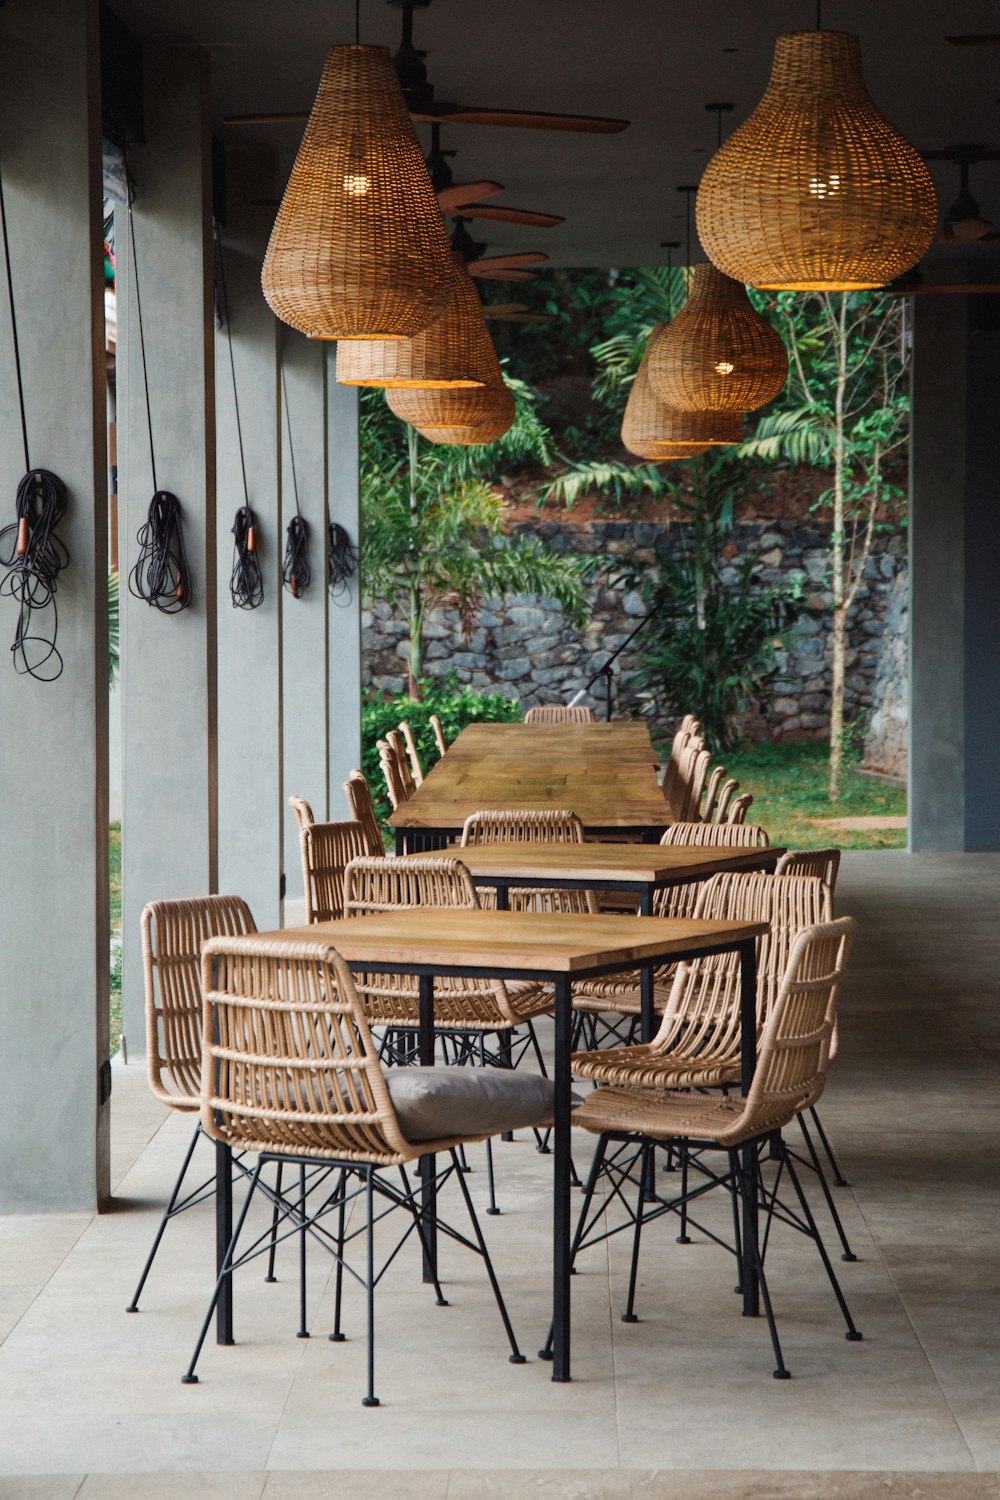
(824, 863)
(412, 754)
(713, 788)
(738, 809)
(291, 1072)
(438, 728)
(302, 810)
(524, 827)
(686, 739)
(560, 713)
(684, 798)
(359, 800)
(399, 781)
(327, 849)
(790, 1075)
(172, 935)
(717, 835)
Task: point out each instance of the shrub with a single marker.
(455, 707)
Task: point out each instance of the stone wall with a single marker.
(886, 742)
(525, 648)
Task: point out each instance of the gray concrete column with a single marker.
(249, 662)
(344, 616)
(169, 823)
(954, 543)
(53, 744)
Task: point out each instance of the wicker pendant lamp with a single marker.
(488, 431)
(816, 191)
(465, 407)
(718, 354)
(454, 352)
(359, 249)
(649, 424)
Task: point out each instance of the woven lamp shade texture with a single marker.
(661, 453)
(649, 423)
(816, 191)
(718, 354)
(471, 434)
(359, 249)
(465, 407)
(454, 352)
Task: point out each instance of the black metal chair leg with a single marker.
(684, 1238)
(491, 1186)
(337, 1336)
(846, 1252)
(748, 1191)
(516, 1357)
(167, 1213)
(303, 1332)
(852, 1333)
(645, 1168)
(371, 1399)
(227, 1270)
(429, 1258)
(274, 1224)
(839, 1180)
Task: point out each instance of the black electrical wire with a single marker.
(35, 556)
(161, 575)
(295, 569)
(342, 563)
(246, 583)
(32, 563)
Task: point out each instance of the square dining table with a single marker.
(554, 949)
(605, 773)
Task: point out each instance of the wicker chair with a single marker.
(684, 798)
(412, 754)
(524, 827)
(291, 1072)
(790, 1075)
(711, 796)
(824, 863)
(327, 849)
(738, 809)
(438, 728)
(399, 781)
(687, 738)
(303, 812)
(560, 713)
(172, 935)
(717, 835)
(723, 802)
(359, 800)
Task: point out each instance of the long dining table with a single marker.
(605, 773)
(554, 949)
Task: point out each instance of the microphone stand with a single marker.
(607, 671)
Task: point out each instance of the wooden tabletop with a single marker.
(605, 773)
(500, 941)
(642, 864)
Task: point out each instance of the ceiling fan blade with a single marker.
(499, 273)
(519, 119)
(509, 215)
(280, 117)
(515, 258)
(513, 312)
(461, 195)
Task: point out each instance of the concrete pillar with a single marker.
(249, 663)
(169, 826)
(53, 745)
(954, 542)
(344, 615)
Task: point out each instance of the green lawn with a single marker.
(788, 780)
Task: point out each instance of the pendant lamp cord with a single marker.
(232, 361)
(357, 23)
(296, 573)
(819, 15)
(130, 195)
(13, 328)
(246, 582)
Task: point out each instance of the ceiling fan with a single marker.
(419, 95)
(963, 223)
(465, 198)
(492, 267)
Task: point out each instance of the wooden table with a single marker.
(605, 773)
(511, 946)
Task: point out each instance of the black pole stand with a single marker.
(607, 671)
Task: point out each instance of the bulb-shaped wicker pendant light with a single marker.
(718, 354)
(359, 249)
(650, 427)
(487, 431)
(464, 407)
(454, 352)
(816, 191)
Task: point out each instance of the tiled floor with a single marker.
(680, 1404)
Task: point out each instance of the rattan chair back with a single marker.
(825, 863)
(172, 935)
(359, 800)
(412, 754)
(302, 810)
(716, 835)
(560, 713)
(517, 826)
(723, 801)
(438, 728)
(710, 799)
(738, 809)
(398, 778)
(376, 886)
(327, 849)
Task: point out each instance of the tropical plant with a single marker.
(710, 644)
(848, 410)
(434, 526)
(114, 628)
(455, 707)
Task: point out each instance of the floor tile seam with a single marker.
(40, 1290)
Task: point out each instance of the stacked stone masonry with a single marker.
(525, 648)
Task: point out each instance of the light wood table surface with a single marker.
(605, 773)
(639, 868)
(510, 945)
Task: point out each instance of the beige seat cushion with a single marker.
(441, 1102)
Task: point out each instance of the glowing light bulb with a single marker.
(825, 187)
(356, 184)
(724, 367)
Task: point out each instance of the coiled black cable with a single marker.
(342, 563)
(161, 575)
(246, 585)
(33, 561)
(295, 569)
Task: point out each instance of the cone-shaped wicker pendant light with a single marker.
(465, 407)
(488, 431)
(359, 249)
(718, 354)
(650, 424)
(454, 352)
(816, 191)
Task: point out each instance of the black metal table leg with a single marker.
(503, 897)
(400, 841)
(646, 901)
(223, 1235)
(428, 1164)
(561, 1182)
(646, 993)
(748, 1025)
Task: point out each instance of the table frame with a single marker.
(562, 983)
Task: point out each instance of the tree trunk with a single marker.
(837, 580)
